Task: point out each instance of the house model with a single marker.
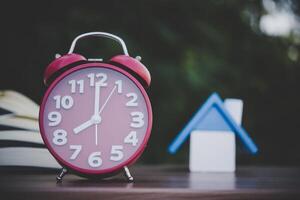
(213, 130)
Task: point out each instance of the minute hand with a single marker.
(106, 101)
(97, 98)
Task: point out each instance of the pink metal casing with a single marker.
(60, 63)
(134, 65)
(115, 169)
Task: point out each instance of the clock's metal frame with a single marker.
(99, 34)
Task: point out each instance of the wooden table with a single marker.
(156, 182)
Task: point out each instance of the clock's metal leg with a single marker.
(127, 174)
(61, 174)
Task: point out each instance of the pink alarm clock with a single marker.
(96, 117)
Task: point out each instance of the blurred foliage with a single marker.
(192, 48)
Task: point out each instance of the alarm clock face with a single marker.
(96, 119)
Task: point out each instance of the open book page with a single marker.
(27, 156)
(21, 136)
(10, 120)
(18, 104)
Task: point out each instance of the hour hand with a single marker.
(83, 126)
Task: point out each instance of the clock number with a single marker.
(66, 102)
(95, 160)
(116, 153)
(133, 99)
(92, 79)
(54, 118)
(76, 149)
(137, 119)
(73, 85)
(60, 137)
(101, 76)
(119, 86)
(131, 138)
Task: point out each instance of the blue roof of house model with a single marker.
(213, 116)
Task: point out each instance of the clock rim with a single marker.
(116, 168)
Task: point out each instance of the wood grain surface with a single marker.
(155, 182)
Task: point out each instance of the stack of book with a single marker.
(21, 144)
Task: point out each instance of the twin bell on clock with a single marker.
(96, 117)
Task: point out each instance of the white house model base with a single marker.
(212, 151)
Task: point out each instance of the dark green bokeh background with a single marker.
(192, 48)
